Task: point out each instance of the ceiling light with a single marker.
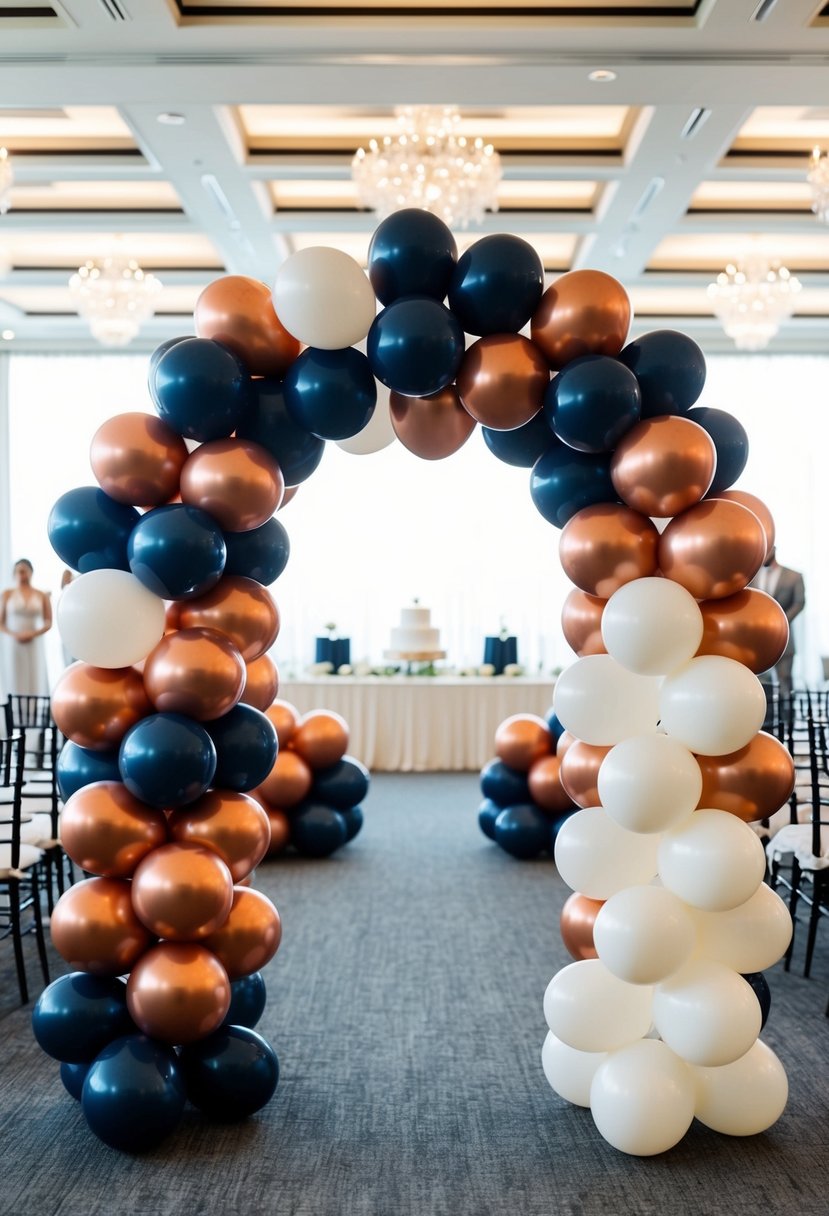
(170, 119)
(7, 335)
(818, 179)
(115, 296)
(752, 298)
(6, 180)
(602, 76)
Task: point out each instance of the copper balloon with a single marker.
(196, 672)
(585, 312)
(240, 608)
(172, 616)
(545, 785)
(751, 783)
(96, 706)
(565, 742)
(607, 545)
(178, 992)
(107, 831)
(502, 381)
(233, 825)
(581, 623)
(321, 739)
(578, 916)
(750, 627)
(758, 508)
(663, 465)
(713, 549)
(285, 718)
(137, 459)
(521, 740)
(288, 782)
(236, 481)
(239, 313)
(580, 772)
(290, 493)
(94, 927)
(261, 684)
(431, 427)
(182, 891)
(250, 936)
(280, 832)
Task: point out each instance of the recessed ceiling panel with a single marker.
(321, 195)
(60, 196)
(57, 301)
(572, 13)
(154, 250)
(65, 129)
(710, 252)
(781, 131)
(777, 197)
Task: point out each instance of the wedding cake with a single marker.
(415, 635)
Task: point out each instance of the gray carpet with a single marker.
(405, 1004)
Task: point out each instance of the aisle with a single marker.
(405, 1005)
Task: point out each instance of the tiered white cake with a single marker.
(415, 636)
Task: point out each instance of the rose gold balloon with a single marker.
(751, 783)
(250, 936)
(288, 782)
(502, 381)
(431, 427)
(290, 492)
(240, 608)
(178, 992)
(285, 718)
(96, 706)
(280, 832)
(758, 508)
(545, 785)
(262, 683)
(750, 627)
(233, 825)
(196, 672)
(321, 739)
(585, 312)
(236, 481)
(713, 549)
(578, 916)
(137, 459)
(663, 465)
(581, 623)
(182, 891)
(106, 831)
(605, 546)
(172, 616)
(580, 772)
(238, 312)
(94, 927)
(521, 740)
(565, 742)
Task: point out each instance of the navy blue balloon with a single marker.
(231, 1074)
(670, 368)
(555, 727)
(504, 785)
(523, 831)
(155, 358)
(411, 253)
(167, 760)
(522, 446)
(592, 402)
(247, 1001)
(496, 285)
(73, 1077)
(558, 823)
(177, 551)
(352, 816)
(201, 389)
(731, 442)
(341, 786)
(246, 747)
(267, 422)
(316, 830)
(261, 554)
(488, 812)
(564, 481)
(331, 393)
(415, 346)
(760, 987)
(134, 1095)
(89, 530)
(78, 1014)
(78, 766)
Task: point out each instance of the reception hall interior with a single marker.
(414, 656)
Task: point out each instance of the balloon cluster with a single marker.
(527, 798)
(313, 792)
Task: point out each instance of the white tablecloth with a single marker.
(421, 723)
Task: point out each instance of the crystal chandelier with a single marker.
(6, 180)
(818, 179)
(115, 296)
(751, 299)
(429, 165)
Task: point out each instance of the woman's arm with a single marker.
(4, 597)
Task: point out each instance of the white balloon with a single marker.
(569, 1072)
(598, 858)
(109, 619)
(743, 1098)
(750, 937)
(377, 434)
(602, 703)
(644, 934)
(323, 298)
(589, 1009)
(652, 626)
(649, 782)
(712, 860)
(713, 705)
(642, 1098)
(707, 1013)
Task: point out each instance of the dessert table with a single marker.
(421, 724)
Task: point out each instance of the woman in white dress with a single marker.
(25, 616)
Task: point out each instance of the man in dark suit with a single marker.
(786, 586)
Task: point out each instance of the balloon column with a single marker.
(526, 800)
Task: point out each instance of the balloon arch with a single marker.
(171, 619)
